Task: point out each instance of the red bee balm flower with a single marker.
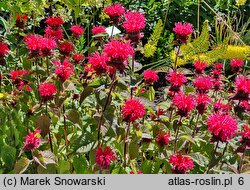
(242, 86)
(162, 138)
(222, 108)
(236, 65)
(47, 91)
(245, 140)
(54, 22)
(15, 74)
(21, 19)
(199, 66)
(38, 45)
(184, 103)
(114, 12)
(223, 127)
(56, 34)
(4, 49)
(133, 110)
(32, 140)
(202, 101)
(104, 157)
(98, 62)
(66, 48)
(150, 76)
(134, 22)
(183, 30)
(98, 30)
(118, 53)
(78, 57)
(77, 30)
(203, 84)
(176, 80)
(181, 163)
(64, 70)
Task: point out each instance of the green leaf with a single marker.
(48, 157)
(188, 138)
(80, 165)
(64, 167)
(73, 116)
(8, 155)
(38, 158)
(147, 167)
(43, 123)
(85, 93)
(22, 165)
(133, 150)
(199, 159)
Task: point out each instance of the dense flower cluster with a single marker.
(56, 34)
(133, 110)
(77, 30)
(183, 30)
(114, 12)
(134, 22)
(223, 127)
(162, 138)
(4, 49)
(104, 157)
(47, 90)
(203, 84)
(184, 103)
(78, 57)
(64, 70)
(242, 88)
(200, 67)
(55, 21)
(202, 100)
(39, 46)
(236, 65)
(21, 19)
(118, 53)
(181, 164)
(245, 135)
(32, 141)
(98, 62)
(98, 30)
(66, 48)
(176, 80)
(150, 76)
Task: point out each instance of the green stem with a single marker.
(213, 156)
(125, 145)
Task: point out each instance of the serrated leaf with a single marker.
(38, 158)
(48, 157)
(73, 116)
(188, 138)
(8, 154)
(43, 123)
(85, 93)
(199, 159)
(22, 165)
(133, 150)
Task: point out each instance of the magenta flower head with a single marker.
(63, 70)
(133, 24)
(245, 135)
(32, 140)
(98, 63)
(184, 103)
(114, 12)
(181, 164)
(203, 84)
(47, 91)
(118, 53)
(176, 80)
(200, 67)
(104, 157)
(150, 76)
(223, 127)
(162, 138)
(132, 110)
(183, 30)
(77, 30)
(54, 21)
(242, 88)
(236, 65)
(4, 49)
